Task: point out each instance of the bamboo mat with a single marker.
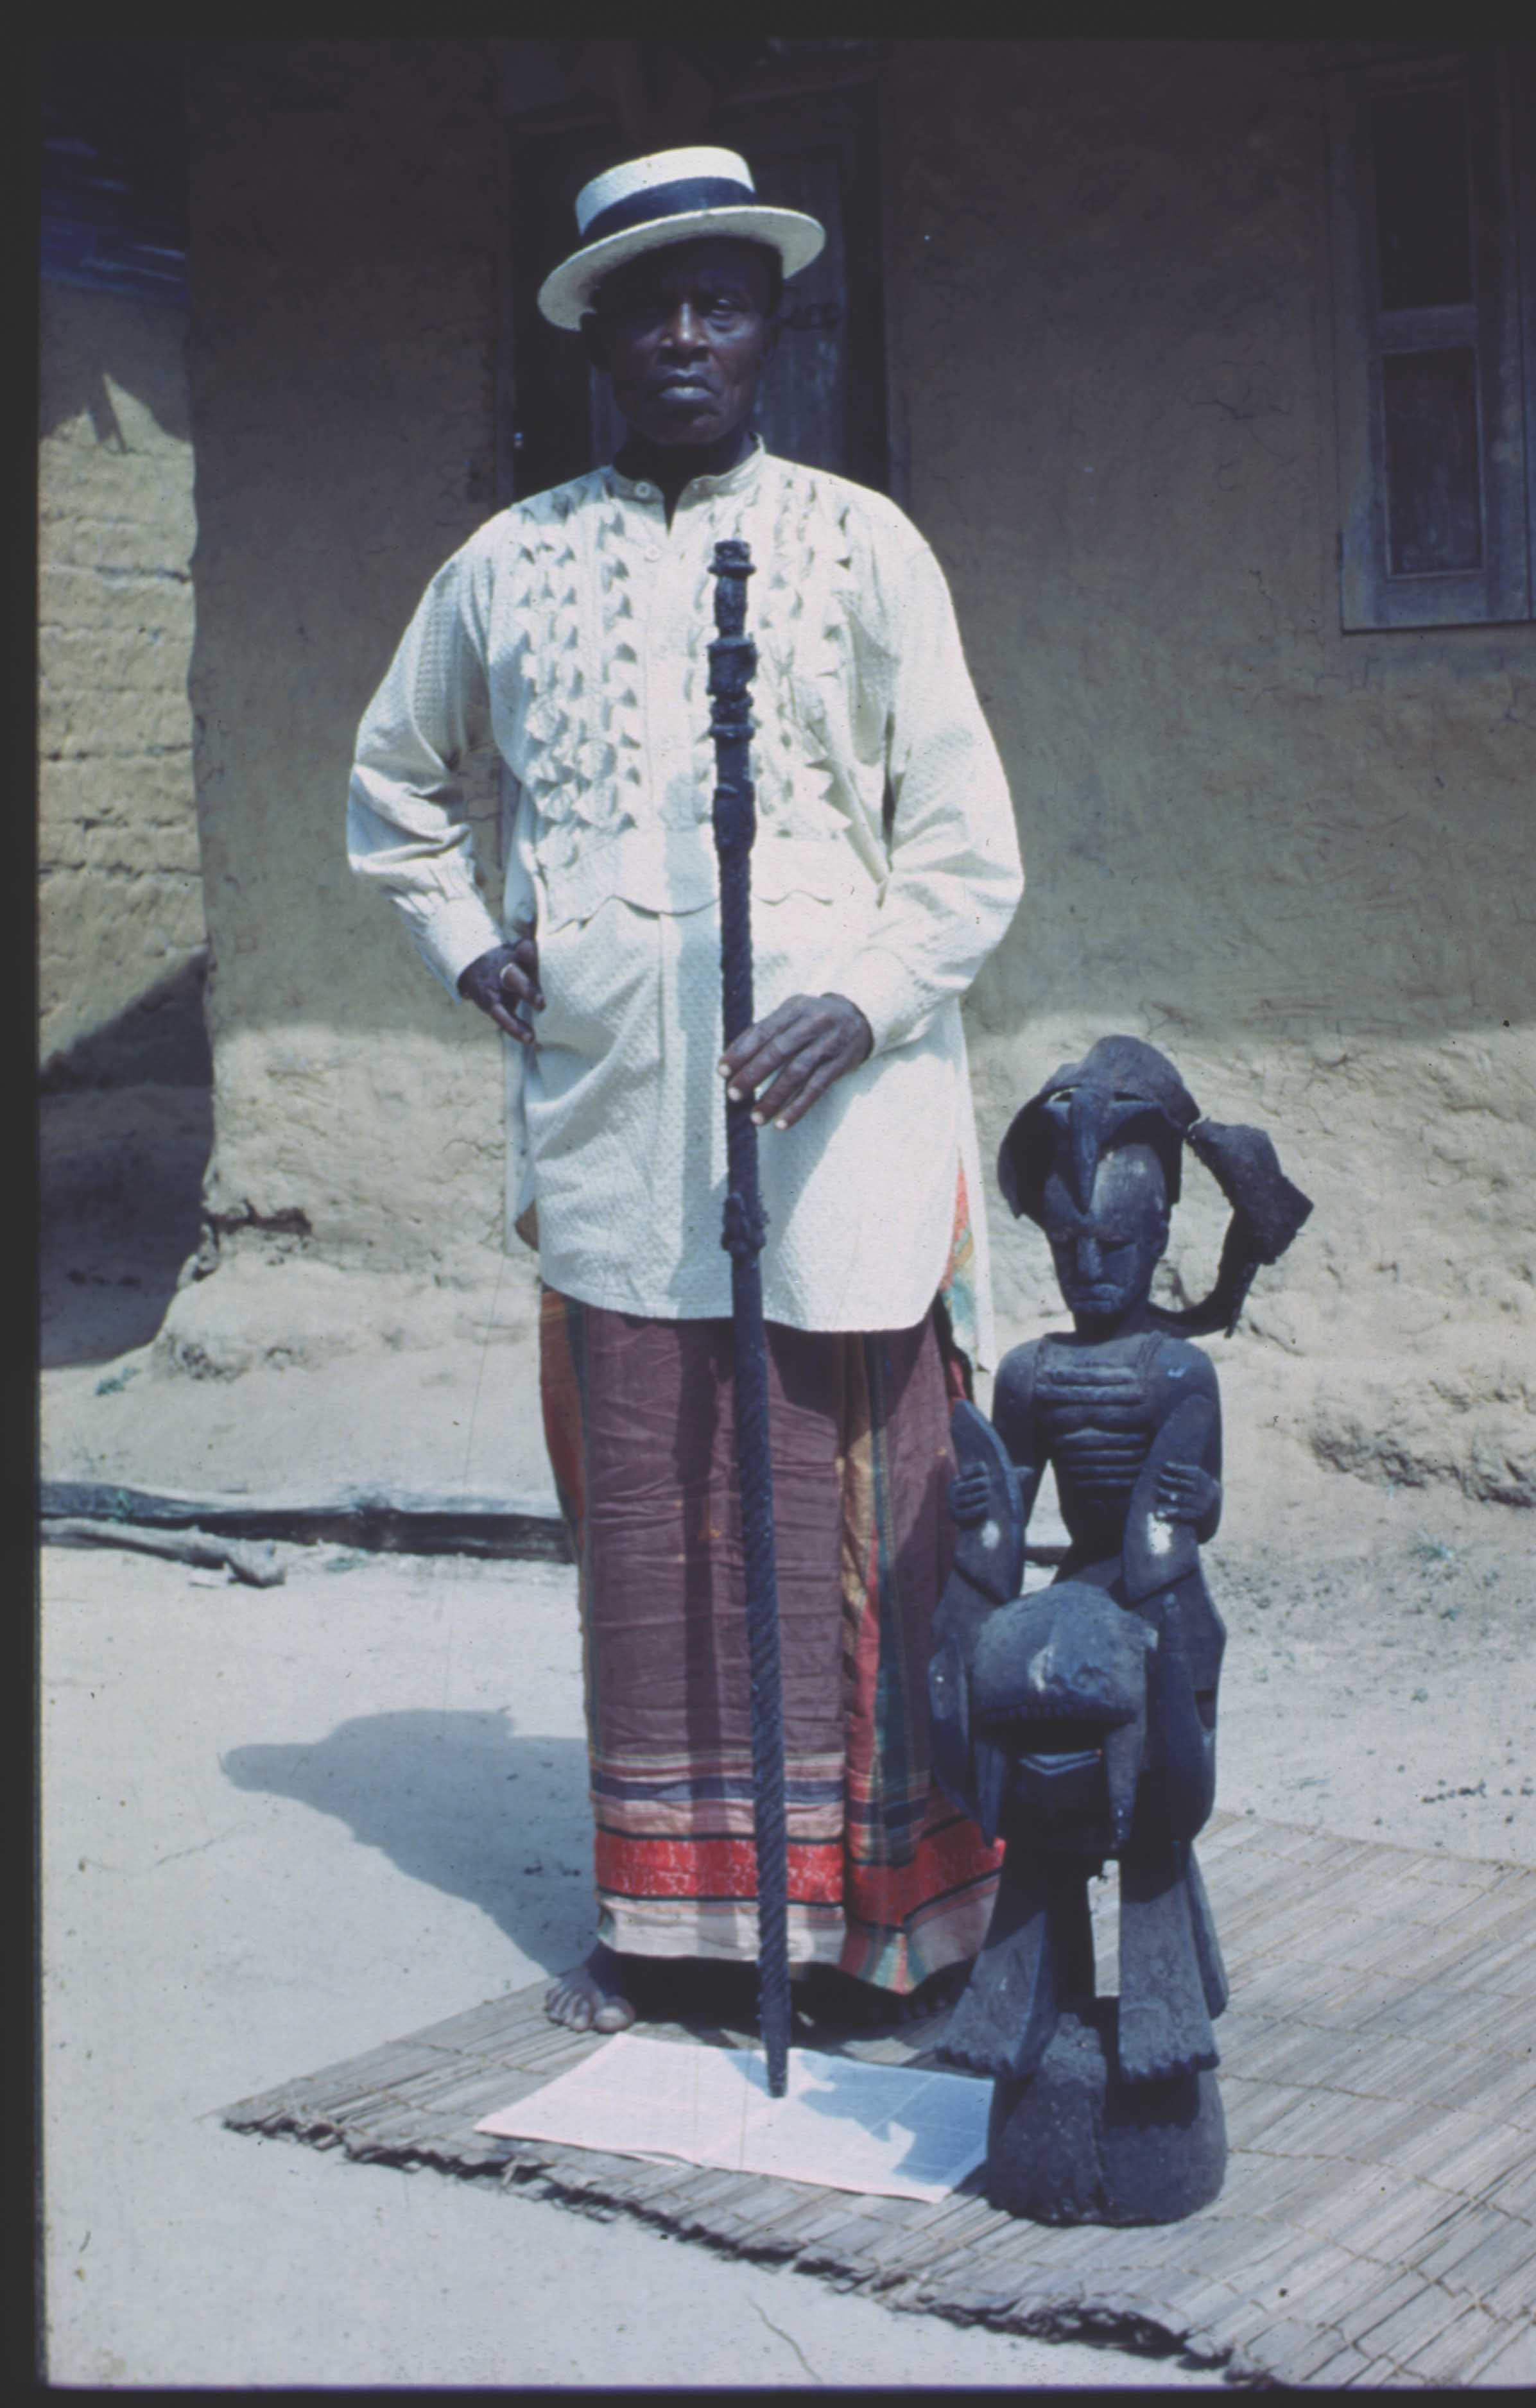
(1380, 2087)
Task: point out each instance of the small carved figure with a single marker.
(1079, 1722)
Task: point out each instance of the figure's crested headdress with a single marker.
(1124, 1091)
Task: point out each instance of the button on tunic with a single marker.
(572, 632)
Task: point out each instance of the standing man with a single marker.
(570, 631)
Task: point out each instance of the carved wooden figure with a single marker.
(1079, 1722)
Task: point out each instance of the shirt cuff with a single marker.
(882, 985)
(455, 935)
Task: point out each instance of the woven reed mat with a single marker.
(1379, 2089)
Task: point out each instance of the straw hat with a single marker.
(673, 196)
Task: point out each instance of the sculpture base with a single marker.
(1075, 2145)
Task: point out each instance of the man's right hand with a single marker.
(504, 976)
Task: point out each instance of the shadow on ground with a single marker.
(459, 1800)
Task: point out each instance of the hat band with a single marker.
(669, 201)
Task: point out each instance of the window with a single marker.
(823, 399)
(1431, 177)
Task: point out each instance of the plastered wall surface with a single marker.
(121, 907)
(1296, 859)
(344, 201)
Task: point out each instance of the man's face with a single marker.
(685, 335)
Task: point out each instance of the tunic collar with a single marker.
(739, 479)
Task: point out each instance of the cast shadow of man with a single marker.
(458, 1801)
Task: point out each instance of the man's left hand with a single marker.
(784, 1062)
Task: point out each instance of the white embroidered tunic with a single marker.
(572, 632)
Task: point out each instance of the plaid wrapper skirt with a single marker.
(886, 1880)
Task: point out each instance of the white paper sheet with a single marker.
(883, 2130)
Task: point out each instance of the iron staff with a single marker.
(733, 661)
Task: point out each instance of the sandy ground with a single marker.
(1383, 1632)
(281, 1827)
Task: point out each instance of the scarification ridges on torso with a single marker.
(1097, 1463)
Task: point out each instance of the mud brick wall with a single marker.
(121, 913)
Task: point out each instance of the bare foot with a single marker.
(591, 1998)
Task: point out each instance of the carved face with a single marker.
(1105, 1257)
(685, 334)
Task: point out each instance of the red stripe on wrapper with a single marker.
(712, 1869)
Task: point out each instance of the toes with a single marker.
(615, 2014)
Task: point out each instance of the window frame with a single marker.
(1499, 589)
